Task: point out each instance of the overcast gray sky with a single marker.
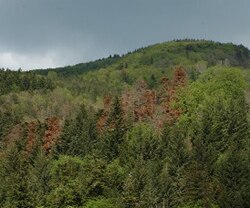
(50, 33)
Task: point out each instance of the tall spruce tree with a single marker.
(79, 135)
(115, 129)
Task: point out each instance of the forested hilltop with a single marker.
(165, 126)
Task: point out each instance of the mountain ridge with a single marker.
(187, 45)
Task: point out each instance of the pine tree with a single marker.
(115, 129)
(176, 158)
(79, 135)
(39, 177)
(14, 178)
(141, 155)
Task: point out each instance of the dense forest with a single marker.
(165, 126)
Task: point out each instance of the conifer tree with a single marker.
(115, 129)
(79, 135)
(14, 177)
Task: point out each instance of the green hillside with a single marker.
(114, 74)
(163, 126)
(165, 55)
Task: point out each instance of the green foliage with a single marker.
(66, 188)
(197, 205)
(39, 178)
(114, 176)
(200, 159)
(79, 135)
(14, 190)
(141, 155)
(114, 74)
(11, 81)
(8, 119)
(142, 143)
(115, 129)
(232, 169)
(216, 122)
(74, 180)
(100, 203)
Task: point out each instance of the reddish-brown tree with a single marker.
(101, 122)
(31, 134)
(51, 134)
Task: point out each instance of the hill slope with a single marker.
(91, 82)
(114, 74)
(165, 55)
(163, 126)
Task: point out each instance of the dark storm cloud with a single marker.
(49, 33)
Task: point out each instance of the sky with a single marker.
(52, 33)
